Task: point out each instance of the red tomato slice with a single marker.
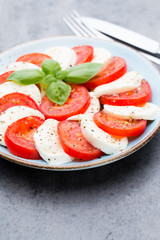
(4, 76)
(74, 143)
(113, 71)
(137, 96)
(77, 102)
(16, 99)
(84, 54)
(35, 58)
(119, 127)
(19, 137)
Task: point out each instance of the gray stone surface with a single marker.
(115, 202)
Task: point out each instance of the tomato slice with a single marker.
(19, 137)
(111, 72)
(136, 97)
(16, 99)
(4, 76)
(84, 54)
(74, 143)
(119, 127)
(77, 102)
(35, 58)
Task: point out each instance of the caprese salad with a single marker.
(68, 104)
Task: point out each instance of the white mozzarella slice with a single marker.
(148, 112)
(65, 56)
(127, 82)
(100, 139)
(101, 55)
(77, 117)
(12, 87)
(21, 66)
(92, 109)
(94, 105)
(48, 144)
(13, 114)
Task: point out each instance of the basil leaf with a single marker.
(82, 73)
(50, 66)
(61, 74)
(27, 76)
(58, 92)
(49, 78)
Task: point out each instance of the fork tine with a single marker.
(80, 23)
(76, 28)
(92, 32)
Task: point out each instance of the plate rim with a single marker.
(87, 164)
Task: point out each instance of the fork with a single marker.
(81, 29)
(78, 26)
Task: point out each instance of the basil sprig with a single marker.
(54, 78)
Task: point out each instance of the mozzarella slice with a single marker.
(94, 105)
(65, 56)
(127, 82)
(12, 87)
(21, 66)
(48, 144)
(100, 139)
(13, 114)
(92, 109)
(148, 112)
(101, 55)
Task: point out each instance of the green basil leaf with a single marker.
(50, 66)
(49, 78)
(82, 73)
(61, 74)
(58, 92)
(27, 76)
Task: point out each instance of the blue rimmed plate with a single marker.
(134, 61)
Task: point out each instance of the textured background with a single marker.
(116, 202)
